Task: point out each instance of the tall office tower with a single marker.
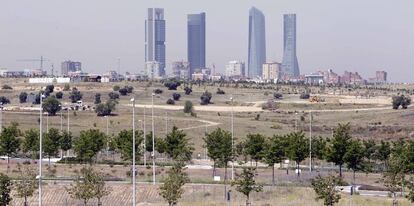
(196, 41)
(68, 67)
(290, 64)
(155, 38)
(257, 43)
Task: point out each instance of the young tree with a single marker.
(50, 88)
(105, 109)
(88, 144)
(75, 95)
(338, 145)
(113, 95)
(255, 147)
(97, 98)
(51, 143)
(188, 107)
(178, 146)
(354, 156)
(123, 91)
(319, 148)
(298, 149)
(205, 98)
(65, 142)
(26, 184)
(59, 95)
(23, 97)
(383, 152)
(9, 141)
(172, 189)
(275, 153)
(246, 184)
(31, 142)
(4, 100)
(51, 105)
(124, 144)
(5, 190)
(325, 190)
(176, 96)
(188, 90)
(218, 144)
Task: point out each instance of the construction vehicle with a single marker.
(316, 99)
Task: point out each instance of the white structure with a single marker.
(235, 69)
(181, 69)
(271, 71)
(49, 80)
(153, 70)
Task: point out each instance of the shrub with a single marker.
(129, 89)
(97, 98)
(75, 95)
(51, 105)
(105, 109)
(59, 95)
(172, 85)
(66, 87)
(304, 96)
(277, 95)
(400, 100)
(113, 95)
(116, 88)
(219, 91)
(176, 96)
(4, 100)
(188, 107)
(188, 90)
(50, 88)
(157, 91)
(23, 97)
(205, 98)
(6, 86)
(123, 91)
(170, 101)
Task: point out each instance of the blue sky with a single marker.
(352, 35)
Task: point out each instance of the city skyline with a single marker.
(328, 37)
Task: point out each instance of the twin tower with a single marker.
(257, 44)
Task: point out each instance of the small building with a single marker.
(314, 79)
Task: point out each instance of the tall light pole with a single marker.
(68, 129)
(61, 118)
(145, 140)
(153, 140)
(296, 122)
(107, 135)
(40, 149)
(166, 123)
(310, 141)
(47, 122)
(133, 152)
(1, 117)
(232, 139)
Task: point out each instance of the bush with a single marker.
(59, 95)
(176, 96)
(49, 89)
(105, 109)
(157, 91)
(400, 100)
(277, 95)
(75, 95)
(205, 98)
(5, 86)
(304, 96)
(129, 89)
(172, 85)
(116, 88)
(23, 97)
(170, 101)
(113, 95)
(123, 91)
(188, 107)
(97, 98)
(219, 91)
(66, 87)
(188, 90)
(4, 100)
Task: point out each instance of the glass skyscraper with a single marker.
(155, 38)
(290, 64)
(196, 41)
(257, 43)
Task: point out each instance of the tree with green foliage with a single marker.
(23, 97)
(26, 184)
(31, 142)
(394, 177)
(50, 88)
(59, 95)
(88, 185)
(5, 190)
(187, 90)
(4, 100)
(369, 147)
(275, 152)
(325, 189)
(354, 157)
(255, 147)
(338, 145)
(88, 144)
(75, 95)
(105, 109)
(178, 146)
(319, 145)
(124, 144)
(51, 143)
(401, 100)
(65, 142)
(218, 144)
(97, 98)
(116, 88)
(171, 190)
(51, 105)
(383, 152)
(298, 148)
(188, 107)
(9, 141)
(205, 98)
(245, 183)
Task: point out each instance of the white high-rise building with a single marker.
(271, 71)
(235, 69)
(152, 69)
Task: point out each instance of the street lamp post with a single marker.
(153, 140)
(310, 141)
(40, 149)
(145, 140)
(232, 138)
(68, 129)
(296, 122)
(61, 118)
(107, 135)
(1, 117)
(133, 152)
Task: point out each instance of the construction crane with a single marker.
(41, 60)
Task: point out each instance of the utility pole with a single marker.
(40, 149)
(1, 117)
(153, 140)
(310, 141)
(133, 152)
(145, 140)
(232, 139)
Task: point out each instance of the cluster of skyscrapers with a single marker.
(155, 36)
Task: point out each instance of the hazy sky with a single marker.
(354, 35)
